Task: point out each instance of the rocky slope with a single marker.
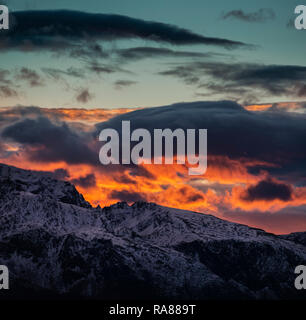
(56, 245)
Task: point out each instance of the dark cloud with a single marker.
(268, 190)
(46, 141)
(77, 32)
(11, 115)
(85, 182)
(84, 96)
(238, 79)
(274, 137)
(152, 52)
(261, 15)
(7, 92)
(124, 179)
(101, 68)
(29, 76)
(7, 87)
(61, 75)
(195, 197)
(190, 197)
(124, 83)
(36, 40)
(90, 50)
(57, 74)
(127, 196)
(293, 172)
(137, 171)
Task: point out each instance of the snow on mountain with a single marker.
(55, 243)
(297, 237)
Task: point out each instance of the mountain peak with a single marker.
(17, 181)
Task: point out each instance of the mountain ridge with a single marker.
(54, 241)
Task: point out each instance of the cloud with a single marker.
(289, 107)
(71, 116)
(13, 114)
(7, 88)
(89, 50)
(57, 74)
(268, 190)
(127, 196)
(120, 84)
(233, 131)
(190, 197)
(244, 147)
(84, 96)
(46, 141)
(102, 68)
(138, 53)
(125, 179)
(238, 79)
(29, 76)
(9, 80)
(8, 92)
(87, 181)
(77, 32)
(139, 171)
(261, 15)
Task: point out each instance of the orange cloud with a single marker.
(236, 200)
(258, 107)
(220, 188)
(89, 116)
(284, 106)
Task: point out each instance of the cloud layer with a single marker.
(261, 15)
(47, 141)
(232, 130)
(65, 29)
(242, 80)
(256, 159)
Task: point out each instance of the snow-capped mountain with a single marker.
(55, 244)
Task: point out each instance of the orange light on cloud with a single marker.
(236, 200)
(258, 107)
(88, 115)
(222, 186)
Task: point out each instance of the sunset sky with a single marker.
(236, 68)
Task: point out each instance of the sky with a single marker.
(71, 68)
(140, 81)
